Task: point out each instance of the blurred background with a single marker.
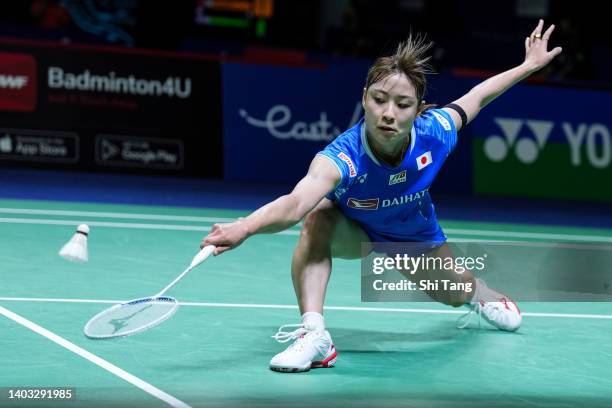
(468, 34)
(218, 95)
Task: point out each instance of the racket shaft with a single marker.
(174, 282)
(198, 259)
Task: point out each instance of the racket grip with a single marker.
(202, 255)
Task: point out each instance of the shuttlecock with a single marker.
(75, 250)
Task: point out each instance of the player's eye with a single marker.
(378, 100)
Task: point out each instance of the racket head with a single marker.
(131, 317)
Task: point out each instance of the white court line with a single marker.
(534, 235)
(341, 308)
(38, 221)
(160, 217)
(133, 216)
(504, 235)
(170, 227)
(143, 385)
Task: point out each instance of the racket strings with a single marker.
(140, 314)
(131, 317)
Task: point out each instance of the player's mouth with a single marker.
(387, 129)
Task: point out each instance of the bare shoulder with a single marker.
(325, 168)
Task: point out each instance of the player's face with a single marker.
(390, 108)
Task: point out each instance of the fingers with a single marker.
(223, 237)
(220, 250)
(548, 32)
(556, 51)
(537, 31)
(527, 44)
(217, 242)
(213, 237)
(210, 240)
(539, 38)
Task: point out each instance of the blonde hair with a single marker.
(409, 59)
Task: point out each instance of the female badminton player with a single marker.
(371, 185)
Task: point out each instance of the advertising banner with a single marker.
(87, 108)
(275, 119)
(545, 142)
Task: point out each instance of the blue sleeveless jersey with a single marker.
(392, 204)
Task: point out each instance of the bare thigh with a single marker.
(347, 235)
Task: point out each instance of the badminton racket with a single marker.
(138, 315)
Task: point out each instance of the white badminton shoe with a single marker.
(497, 309)
(311, 349)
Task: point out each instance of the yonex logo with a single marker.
(362, 179)
(17, 82)
(526, 149)
(590, 141)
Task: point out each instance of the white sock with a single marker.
(313, 321)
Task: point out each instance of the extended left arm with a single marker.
(536, 57)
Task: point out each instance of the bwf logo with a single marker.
(13, 81)
(526, 149)
(17, 82)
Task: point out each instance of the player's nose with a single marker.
(387, 115)
(388, 118)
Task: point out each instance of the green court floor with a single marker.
(214, 351)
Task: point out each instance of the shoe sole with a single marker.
(329, 362)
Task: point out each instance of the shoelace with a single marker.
(490, 306)
(464, 320)
(284, 336)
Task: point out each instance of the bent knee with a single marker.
(320, 223)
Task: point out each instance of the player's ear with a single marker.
(363, 97)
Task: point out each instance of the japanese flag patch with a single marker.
(424, 160)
